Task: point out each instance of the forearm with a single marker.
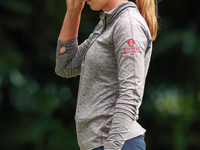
(70, 26)
(71, 21)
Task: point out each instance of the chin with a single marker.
(95, 8)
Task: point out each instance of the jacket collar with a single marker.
(109, 17)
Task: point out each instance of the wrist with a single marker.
(74, 12)
(72, 16)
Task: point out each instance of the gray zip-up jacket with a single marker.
(112, 64)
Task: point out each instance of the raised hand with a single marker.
(75, 5)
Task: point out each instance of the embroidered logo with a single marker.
(132, 49)
(131, 42)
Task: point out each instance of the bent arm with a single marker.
(68, 55)
(67, 47)
(131, 44)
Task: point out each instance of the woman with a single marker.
(112, 64)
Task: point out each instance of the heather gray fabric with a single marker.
(112, 64)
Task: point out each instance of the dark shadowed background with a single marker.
(37, 107)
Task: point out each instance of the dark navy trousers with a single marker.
(136, 143)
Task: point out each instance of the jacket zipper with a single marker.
(104, 27)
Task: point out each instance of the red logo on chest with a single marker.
(131, 42)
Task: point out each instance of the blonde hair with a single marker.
(149, 11)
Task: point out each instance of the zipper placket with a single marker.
(104, 27)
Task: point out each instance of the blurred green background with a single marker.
(37, 107)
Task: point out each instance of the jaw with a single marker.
(105, 5)
(98, 5)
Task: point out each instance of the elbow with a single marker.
(66, 73)
(59, 72)
(62, 73)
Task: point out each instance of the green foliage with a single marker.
(37, 107)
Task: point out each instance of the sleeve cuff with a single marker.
(66, 44)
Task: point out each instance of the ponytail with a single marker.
(148, 9)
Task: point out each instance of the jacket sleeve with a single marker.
(131, 41)
(68, 64)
